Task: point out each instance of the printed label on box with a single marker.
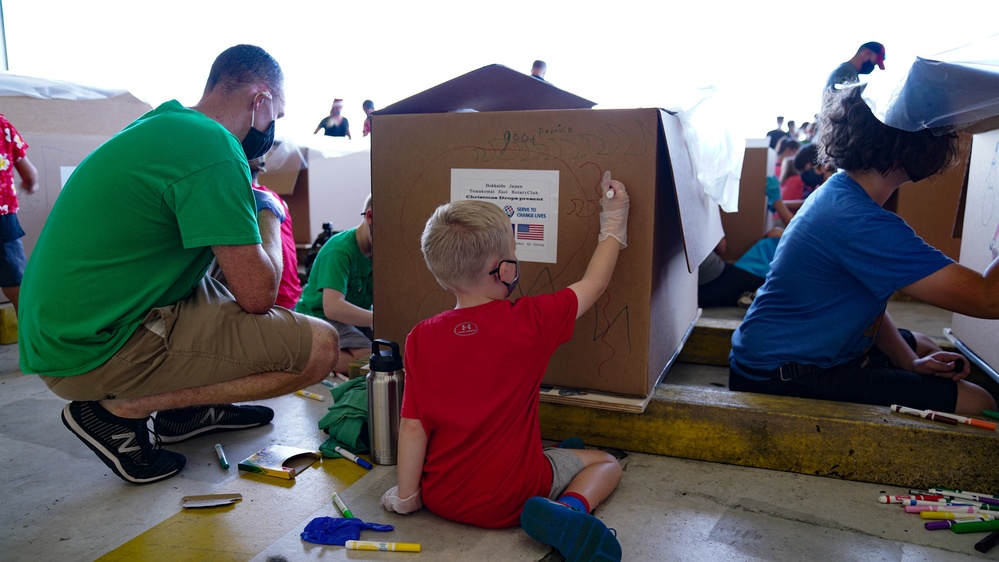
(528, 197)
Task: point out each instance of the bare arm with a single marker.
(783, 212)
(891, 343)
(960, 289)
(253, 271)
(28, 173)
(940, 364)
(412, 452)
(597, 276)
(613, 237)
(336, 307)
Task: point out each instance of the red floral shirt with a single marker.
(12, 149)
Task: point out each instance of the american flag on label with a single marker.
(530, 232)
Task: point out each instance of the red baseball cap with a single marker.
(878, 49)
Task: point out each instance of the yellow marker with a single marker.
(311, 395)
(953, 516)
(386, 546)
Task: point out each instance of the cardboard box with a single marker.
(60, 133)
(746, 226)
(622, 345)
(980, 242)
(319, 186)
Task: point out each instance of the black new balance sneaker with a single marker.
(174, 426)
(123, 444)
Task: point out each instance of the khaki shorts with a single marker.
(204, 339)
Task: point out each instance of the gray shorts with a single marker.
(565, 466)
(352, 337)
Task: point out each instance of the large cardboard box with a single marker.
(746, 226)
(319, 187)
(624, 343)
(60, 133)
(980, 243)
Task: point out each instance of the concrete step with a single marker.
(711, 341)
(816, 437)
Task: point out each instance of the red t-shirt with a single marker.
(472, 379)
(290, 288)
(793, 189)
(12, 149)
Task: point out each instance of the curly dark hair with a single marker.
(852, 138)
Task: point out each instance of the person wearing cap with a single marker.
(868, 55)
(335, 125)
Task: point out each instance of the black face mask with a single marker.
(866, 68)
(256, 143)
(811, 178)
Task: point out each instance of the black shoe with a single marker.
(123, 444)
(174, 426)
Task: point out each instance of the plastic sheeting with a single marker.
(949, 91)
(715, 155)
(41, 88)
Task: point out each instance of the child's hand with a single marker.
(392, 502)
(614, 216)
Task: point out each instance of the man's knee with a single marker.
(325, 349)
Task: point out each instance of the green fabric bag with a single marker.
(347, 419)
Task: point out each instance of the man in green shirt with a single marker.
(117, 314)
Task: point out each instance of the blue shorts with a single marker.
(12, 263)
(867, 380)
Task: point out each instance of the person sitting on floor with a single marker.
(472, 452)
(339, 289)
(819, 327)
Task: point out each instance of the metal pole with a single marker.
(3, 42)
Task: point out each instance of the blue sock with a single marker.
(575, 501)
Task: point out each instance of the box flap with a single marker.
(490, 88)
(699, 236)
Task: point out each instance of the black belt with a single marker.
(791, 371)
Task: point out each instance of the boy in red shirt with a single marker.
(470, 438)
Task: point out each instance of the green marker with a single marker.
(341, 506)
(990, 414)
(976, 526)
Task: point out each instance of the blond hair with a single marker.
(459, 237)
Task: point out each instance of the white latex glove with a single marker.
(614, 216)
(392, 502)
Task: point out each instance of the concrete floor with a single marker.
(59, 502)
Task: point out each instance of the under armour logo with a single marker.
(465, 329)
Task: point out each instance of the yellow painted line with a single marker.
(271, 507)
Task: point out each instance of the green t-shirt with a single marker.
(131, 231)
(340, 266)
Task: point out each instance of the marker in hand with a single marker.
(609, 191)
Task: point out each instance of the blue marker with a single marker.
(352, 457)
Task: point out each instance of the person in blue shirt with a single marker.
(818, 327)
